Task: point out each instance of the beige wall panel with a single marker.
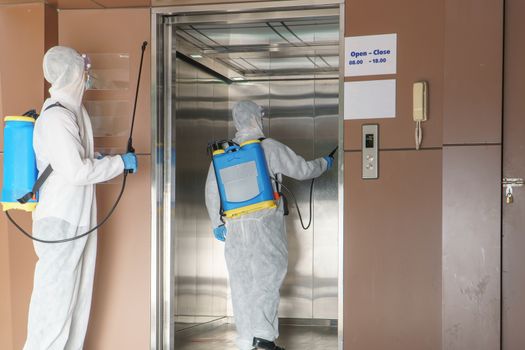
(124, 3)
(471, 247)
(21, 59)
(473, 71)
(51, 36)
(22, 89)
(75, 4)
(85, 4)
(120, 311)
(197, 2)
(22, 265)
(20, 2)
(419, 26)
(6, 326)
(392, 275)
(115, 32)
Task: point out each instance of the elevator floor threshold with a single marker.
(292, 338)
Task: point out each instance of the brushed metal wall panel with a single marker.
(471, 247)
(303, 115)
(292, 123)
(185, 233)
(326, 205)
(200, 116)
(393, 252)
(198, 159)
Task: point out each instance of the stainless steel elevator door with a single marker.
(297, 84)
(201, 114)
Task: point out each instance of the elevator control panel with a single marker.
(370, 147)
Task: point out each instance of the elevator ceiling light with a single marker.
(238, 78)
(196, 55)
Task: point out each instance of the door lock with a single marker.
(509, 183)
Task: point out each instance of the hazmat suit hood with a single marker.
(64, 69)
(247, 117)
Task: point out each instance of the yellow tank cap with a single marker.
(219, 151)
(29, 207)
(20, 118)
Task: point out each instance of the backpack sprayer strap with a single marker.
(286, 211)
(42, 178)
(27, 197)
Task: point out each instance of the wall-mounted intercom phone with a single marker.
(420, 108)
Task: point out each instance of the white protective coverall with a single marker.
(256, 248)
(63, 282)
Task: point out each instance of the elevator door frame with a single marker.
(163, 166)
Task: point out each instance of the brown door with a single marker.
(513, 287)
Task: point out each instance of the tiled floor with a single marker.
(292, 337)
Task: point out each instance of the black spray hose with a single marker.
(297, 204)
(311, 196)
(76, 237)
(129, 149)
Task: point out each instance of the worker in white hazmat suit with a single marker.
(256, 248)
(63, 138)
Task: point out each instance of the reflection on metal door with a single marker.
(514, 167)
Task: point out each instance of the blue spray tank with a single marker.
(20, 172)
(243, 178)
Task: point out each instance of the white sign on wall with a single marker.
(370, 99)
(370, 55)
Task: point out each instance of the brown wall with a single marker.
(393, 250)
(514, 166)
(419, 26)
(472, 174)
(392, 253)
(22, 43)
(421, 251)
(121, 301)
(6, 324)
(120, 314)
(422, 259)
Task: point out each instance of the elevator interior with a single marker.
(287, 61)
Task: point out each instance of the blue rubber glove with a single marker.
(99, 156)
(130, 161)
(220, 233)
(329, 161)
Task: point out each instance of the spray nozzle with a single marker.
(333, 152)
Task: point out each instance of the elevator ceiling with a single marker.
(263, 45)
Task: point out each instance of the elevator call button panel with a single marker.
(370, 151)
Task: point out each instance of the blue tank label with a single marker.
(243, 177)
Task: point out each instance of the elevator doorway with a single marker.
(284, 56)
